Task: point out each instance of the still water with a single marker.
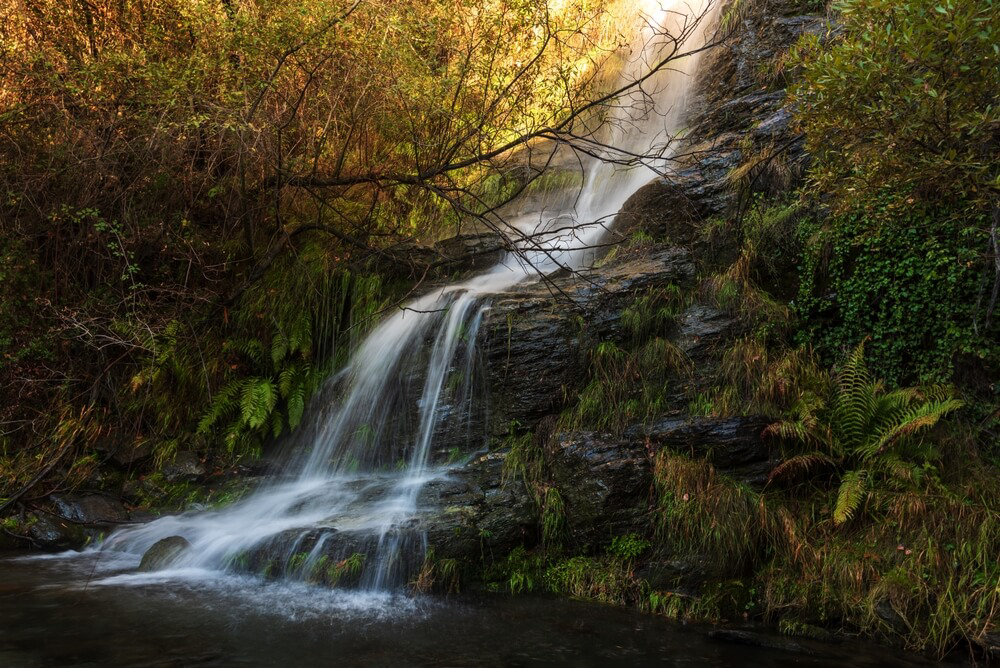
(80, 612)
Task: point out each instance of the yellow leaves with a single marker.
(137, 382)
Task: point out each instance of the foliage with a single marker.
(195, 196)
(438, 574)
(908, 274)
(702, 512)
(899, 108)
(870, 434)
(904, 95)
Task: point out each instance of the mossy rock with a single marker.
(163, 553)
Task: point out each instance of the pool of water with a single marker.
(89, 611)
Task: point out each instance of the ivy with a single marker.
(909, 275)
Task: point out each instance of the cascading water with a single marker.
(370, 453)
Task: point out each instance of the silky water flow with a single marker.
(371, 433)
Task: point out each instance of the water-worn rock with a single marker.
(162, 553)
(471, 251)
(92, 509)
(54, 533)
(534, 337)
(604, 482)
(662, 209)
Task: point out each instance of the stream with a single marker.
(93, 610)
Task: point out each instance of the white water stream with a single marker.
(372, 449)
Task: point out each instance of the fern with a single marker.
(801, 464)
(257, 400)
(225, 402)
(871, 433)
(853, 490)
(279, 348)
(296, 406)
(913, 420)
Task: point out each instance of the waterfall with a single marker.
(371, 446)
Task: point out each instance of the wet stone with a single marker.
(163, 553)
(90, 508)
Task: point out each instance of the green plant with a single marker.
(346, 571)
(553, 519)
(868, 434)
(628, 547)
(907, 274)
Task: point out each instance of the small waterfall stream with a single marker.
(371, 450)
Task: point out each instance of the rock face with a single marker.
(535, 338)
(733, 445)
(480, 511)
(741, 114)
(605, 483)
(645, 212)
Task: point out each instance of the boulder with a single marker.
(662, 209)
(50, 532)
(163, 553)
(91, 509)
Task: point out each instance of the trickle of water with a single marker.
(371, 449)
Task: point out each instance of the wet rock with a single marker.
(701, 330)
(662, 209)
(93, 509)
(472, 251)
(534, 338)
(888, 614)
(757, 639)
(184, 467)
(681, 574)
(734, 445)
(481, 512)
(163, 553)
(604, 482)
(55, 533)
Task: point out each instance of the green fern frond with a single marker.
(853, 490)
(277, 424)
(854, 401)
(225, 402)
(257, 400)
(296, 406)
(252, 349)
(916, 419)
(801, 465)
(903, 471)
(279, 348)
(300, 335)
